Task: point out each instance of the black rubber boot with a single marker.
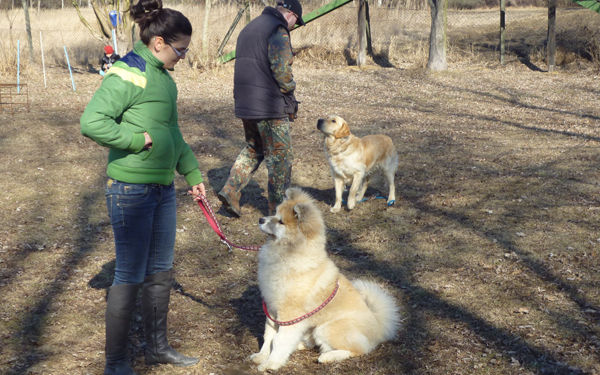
(119, 307)
(156, 292)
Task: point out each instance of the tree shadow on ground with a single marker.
(351, 61)
(382, 59)
(522, 51)
(516, 101)
(327, 196)
(248, 309)
(32, 323)
(425, 303)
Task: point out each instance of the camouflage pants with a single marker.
(267, 140)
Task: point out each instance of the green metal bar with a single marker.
(323, 11)
(228, 57)
(307, 18)
(233, 25)
(590, 4)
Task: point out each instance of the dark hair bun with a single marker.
(154, 20)
(145, 11)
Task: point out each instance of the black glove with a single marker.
(291, 106)
(294, 115)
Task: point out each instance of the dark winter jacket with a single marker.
(109, 61)
(263, 81)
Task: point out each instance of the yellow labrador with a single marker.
(352, 159)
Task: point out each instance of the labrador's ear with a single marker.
(343, 131)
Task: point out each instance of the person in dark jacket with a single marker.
(134, 114)
(108, 59)
(263, 89)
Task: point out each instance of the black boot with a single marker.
(119, 307)
(156, 292)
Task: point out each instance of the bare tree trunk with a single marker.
(128, 25)
(551, 35)
(438, 37)
(207, 7)
(361, 57)
(28, 28)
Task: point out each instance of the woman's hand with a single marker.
(197, 190)
(148, 143)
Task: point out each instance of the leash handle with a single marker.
(212, 221)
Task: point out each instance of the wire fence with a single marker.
(399, 35)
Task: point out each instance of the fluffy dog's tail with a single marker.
(383, 306)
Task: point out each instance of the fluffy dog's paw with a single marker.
(351, 206)
(335, 209)
(334, 356)
(270, 365)
(258, 358)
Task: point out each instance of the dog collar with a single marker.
(297, 320)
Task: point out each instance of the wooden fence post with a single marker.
(207, 8)
(361, 57)
(28, 29)
(551, 35)
(368, 19)
(502, 30)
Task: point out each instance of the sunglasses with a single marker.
(179, 53)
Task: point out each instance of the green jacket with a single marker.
(138, 95)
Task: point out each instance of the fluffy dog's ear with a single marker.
(301, 210)
(344, 131)
(292, 193)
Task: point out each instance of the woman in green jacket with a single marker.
(134, 114)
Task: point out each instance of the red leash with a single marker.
(297, 320)
(212, 220)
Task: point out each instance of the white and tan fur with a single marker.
(352, 159)
(296, 276)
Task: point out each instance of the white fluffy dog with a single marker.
(297, 278)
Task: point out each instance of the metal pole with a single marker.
(115, 40)
(230, 31)
(18, 63)
(43, 64)
(70, 72)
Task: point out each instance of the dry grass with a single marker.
(492, 249)
(400, 36)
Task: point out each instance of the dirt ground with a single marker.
(491, 249)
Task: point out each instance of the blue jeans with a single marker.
(143, 218)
